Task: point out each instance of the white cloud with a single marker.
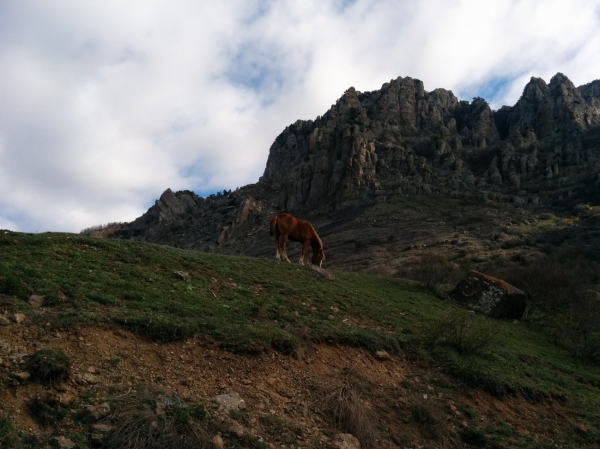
(106, 104)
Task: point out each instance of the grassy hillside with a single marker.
(251, 305)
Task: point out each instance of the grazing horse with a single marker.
(285, 226)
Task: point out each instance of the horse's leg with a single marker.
(304, 253)
(277, 256)
(283, 248)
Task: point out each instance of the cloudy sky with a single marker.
(105, 104)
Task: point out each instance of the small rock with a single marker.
(93, 413)
(161, 408)
(183, 275)
(4, 321)
(101, 428)
(91, 369)
(89, 378)
(65, 399)
(382, 355)
(64, 443)
(229, 401)
(345, 441)
(36, 301)
(18, 318)
(22, 376)
(237, 429)
(217, 442)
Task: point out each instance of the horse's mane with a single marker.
(317, 238)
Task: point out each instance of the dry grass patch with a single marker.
(150, 419)
(349, 412)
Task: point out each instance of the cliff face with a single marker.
(556, 111)
(402, 139)
(370, 142)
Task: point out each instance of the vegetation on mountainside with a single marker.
(251, 305)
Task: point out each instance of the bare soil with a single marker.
(410, 404)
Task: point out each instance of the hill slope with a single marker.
(160, 325)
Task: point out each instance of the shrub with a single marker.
(580, 329)
(434, 269)
(11, 285)
(8, 435)
(49, 366)
(549, 285)
(46, 411)
(466, 331)
(348, 411)
(150, 419)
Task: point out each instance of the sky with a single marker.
(106, 104)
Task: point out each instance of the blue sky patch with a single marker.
(491, 90)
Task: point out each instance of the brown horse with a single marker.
(285, 226)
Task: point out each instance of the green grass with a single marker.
(250, 305)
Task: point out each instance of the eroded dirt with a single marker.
(410, 404)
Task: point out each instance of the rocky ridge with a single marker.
(375, 147)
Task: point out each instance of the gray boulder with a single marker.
(490, 295)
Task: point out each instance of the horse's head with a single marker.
(318, 257)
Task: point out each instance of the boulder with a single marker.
(490, 295)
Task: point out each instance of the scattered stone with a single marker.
(64, 399)
(36, 300)
(229, 401)
(4, 321)
(345, 441)
(22, 376)
(89, 378)
(183, 275)
(382, 355)
(490, 295)
(217, 442)
(18, 318)
(92, 413)
(64, 443)
(101, 428)
(160, 409)
(237, 429)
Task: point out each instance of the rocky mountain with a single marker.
(398, 146)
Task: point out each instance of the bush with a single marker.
(150, 419)
(434, 269)
(46, 411)
(466, 331)
(11, 285)
(561, 301)
(549, 285)
(346, 408)
(49, 366)
(580, 329)
(8, 435)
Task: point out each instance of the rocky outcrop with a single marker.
(379, 143)
(555, 111)
(185, 220)
(490, 295)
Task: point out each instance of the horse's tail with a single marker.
(273, 224)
